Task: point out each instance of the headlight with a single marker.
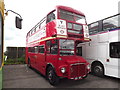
(88, 66)
(63, 70)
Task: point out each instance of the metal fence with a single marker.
(15, 52)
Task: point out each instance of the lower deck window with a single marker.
(52, 47)
(115, 50)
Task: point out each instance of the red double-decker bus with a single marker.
(51, 45)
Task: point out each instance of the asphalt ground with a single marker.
(20, 76)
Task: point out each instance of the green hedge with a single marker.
(15, 61)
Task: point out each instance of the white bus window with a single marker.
(110, 23)
(93, 28)
(115, 50)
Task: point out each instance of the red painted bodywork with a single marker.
(40, 61)
(70, 9)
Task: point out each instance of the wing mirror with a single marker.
(18, 22)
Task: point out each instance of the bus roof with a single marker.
(69, 9)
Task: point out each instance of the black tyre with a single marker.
(29, 63)
(98, 70)
(52, 77)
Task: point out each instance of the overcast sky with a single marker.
(32, 11)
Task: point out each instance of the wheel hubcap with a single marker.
(50, 75)
(98, 69)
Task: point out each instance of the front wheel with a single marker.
(98, 70)
(52, 77)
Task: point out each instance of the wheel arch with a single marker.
(97, 62)
(49, 65)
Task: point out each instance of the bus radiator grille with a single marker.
(77, 70)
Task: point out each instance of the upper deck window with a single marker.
(66, 15)
(93, 28)
(51, 16)
(72, 16)
(111, 23)
(80, 19)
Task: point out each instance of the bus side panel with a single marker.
(113, 65)
(112, 68)
(41, 62)
(95, 51)
(32, 59)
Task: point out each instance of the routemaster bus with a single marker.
(51, 45)
(103, 51)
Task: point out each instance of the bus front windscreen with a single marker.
(72, 16)
(66, 47)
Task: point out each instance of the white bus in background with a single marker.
(103, 51)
